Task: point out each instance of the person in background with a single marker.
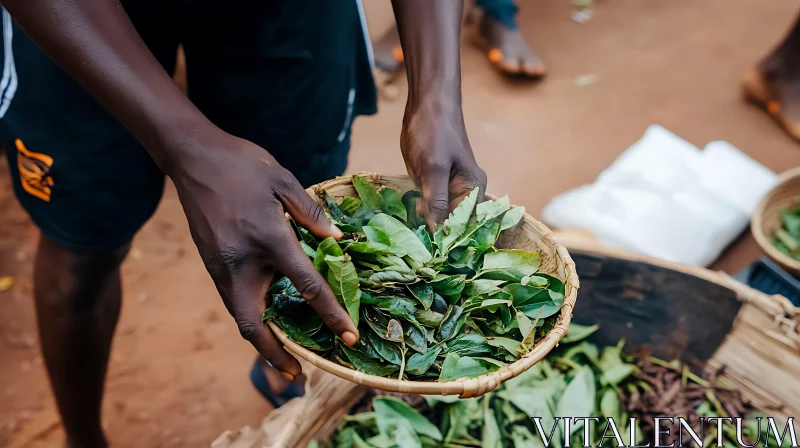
(495, 31)
(273, 87)
(774, 83)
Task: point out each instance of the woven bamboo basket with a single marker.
(759, 355)
(529, 235)
(767, 217)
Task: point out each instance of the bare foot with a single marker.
(774, 85)
(388, 53)
(388, 62)
(507, 50)
(278, 384)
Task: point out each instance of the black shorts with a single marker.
(289, 76)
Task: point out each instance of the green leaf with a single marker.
(429, 318)
(282, 286)
(492, 209)
(484, 287)
(416, 336)
(521, 260)
(368, 247)
(361, 217)
(615, 374)
(458, 416)
(792, 223)
(490, 434)
(527, 295)
(422, 292)
(401, 307)
(389, 408)
(336, 212)
(400, 432)
(485, 237)
(393, 204)
(387, 350)
(541, 310)
(450, 324)
(468, 344)
(328, 246)
(376, 235)
(455, 367)
(392, 260)
(291, 329)
(578, 399)
(344, 283)
(524, 323)
(418, 363)
(350, 205)
(422, 234)
(286, 304)
(537, 281)
(403, 241)
(610, 406)
(364, 346)
(510, 345)
(392, 277)
(369, 195)
(448, 286)
(577, 332)
(410, 203)
(308, 250)
(458, 220)
(308, 238)
(522, 437)
(512, 218)
(364, 363)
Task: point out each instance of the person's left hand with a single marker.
(439, 158)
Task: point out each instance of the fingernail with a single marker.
(349, 338)
(336, 232)
(288, 376)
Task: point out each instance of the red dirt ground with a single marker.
(178, 374)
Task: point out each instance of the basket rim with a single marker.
(757, 226)
(465, 388)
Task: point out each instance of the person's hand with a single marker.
(235, 194)
(439, 158)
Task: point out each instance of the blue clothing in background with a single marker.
(504, 11)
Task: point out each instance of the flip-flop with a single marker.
(757, 92)
(261, 383)
(397, 62)
(385, 75)
(498, 60)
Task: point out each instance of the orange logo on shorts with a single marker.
(33, 172)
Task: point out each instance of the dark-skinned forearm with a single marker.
(430, 33)
(95, 42)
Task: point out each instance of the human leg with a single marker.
(77, 305)
(498, 33)
(89, 186)
(774, 83)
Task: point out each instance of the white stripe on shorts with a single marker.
(8, 84)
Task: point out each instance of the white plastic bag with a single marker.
(665, 198)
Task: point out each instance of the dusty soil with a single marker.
(178, 375)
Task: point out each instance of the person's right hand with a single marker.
(234, 195)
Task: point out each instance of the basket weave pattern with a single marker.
(767, 217)
(529, 235)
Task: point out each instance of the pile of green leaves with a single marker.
(442, 305)
(787, 237)
(578, 380)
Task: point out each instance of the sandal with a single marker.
(261, 383)
(497, 58)
(757, 91)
